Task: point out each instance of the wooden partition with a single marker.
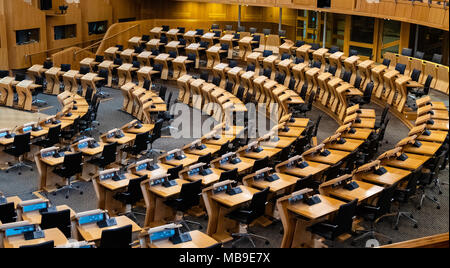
(4, 61)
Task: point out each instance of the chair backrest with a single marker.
(333, 49)
(174, 172)
(334, 171)
(407, 52)
(134, 189)
(267, 72)
(7, 213)
(109, 153)
(419, 54)
(162, 92)
(58, 219)
(251, 68)
(400, 68)
(229, 86)
(280, 77)
(282, 33)
(267, 53)
(120, 47)
(316, 126)
(368, 92)
(285, 56)
(216, 80)
(415, 75)
(353, 52)
(258, 204)
(147, 84)
(53, 134)
(45, 245)
(299, 43)
(190, 193)
(65, 67)
(22, 143)
(315, 46)
(284, 154)
(156, 134)
(427, 84)
(347, 76)
(118, 61)
(384, 114)
(145, 38)
(344, 218)
(100, 58)
(84, 70)
(317, 64)
(117, 238)
(49, 64)
(260, 164)
(20, 77)
(437, 58)
(229, 175)
(204, 76)
(136, 64)
(73, 163)
(200, 31)
(267, 31)
(224, 46)
(241, 29)
(224, 148)
(140, 143)
(207, 158)
(385, 199)
(358, 81)
(240, 93)
(292, 83)
(232, 63)
(386, 62)
(4, 73)
(306, 182)
(332, 70)
(311, 99)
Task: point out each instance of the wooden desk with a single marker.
(189, 160)
(314, 168)
(124, 73)
(219, 205)
(206, 180)
(110, 53)
(267, 152)
(242, 167)
(107, 65)
(107, 189)
(283, 142)
(360, 134)
(365, 192)
(413, 162)
(163, 169)
(199, 240)
(143, 129)
(50, 235)
(427, 148)
(294, 132)
(393, 176)
(35, 217)
(163, 60)
(93, 233)
(295, 233)
(157, 212)
(245, 47)
(52, 77)
(212, 149)
(350, 145)
(48, 180)
(331, 159)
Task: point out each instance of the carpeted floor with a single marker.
(431, 220)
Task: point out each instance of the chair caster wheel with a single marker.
(31, 170)
(200, 228)
(67, 197)
(20, 173)
(440, 193)
(267, 243)
(7, 171)
(419, 208)
(81, 193)
(412, 217)
(396, 228)
(54, 194)
(416, 226)
(439, 207)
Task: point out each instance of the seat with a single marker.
(333, 49)
(342, 223)
(72, 166)
(366, 98)
(382, 120)
(401, 68)
(304, 108)
(429, 177)
(20, 146)
(139, 146)
(7, 213)
(44, 245)
(375, 214)
(156, 134)
(418, 93)
(188, 198)
(206, 159)
(58, 219)
(415, 75)
(53, 136)
(403, 194)
(229, 175)
(306, 182)
(437, 58)
(131, 196)
(109, 156)
(332, 70)
(248, 215)
(173, 172)
(419, 55)
(386, 62)
(334, 171)
(117, 238)
(260, 164)
(347, 76)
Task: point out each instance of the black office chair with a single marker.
(334, 171)
(4, 73)
(251, 68)
(204, 76)
(156, 134)
(280, 77)
(58, 219)
(20, 147)
(224, 149)
(216, 80)
(419, 55)
(248, 215)
(347, 76)
(351, 162)
(53, 136)
(72, 166)
(418, 93)
(403, 195)
(229, 86)
(65, 67)
(353, 52)
(407, 52)
(401, 68)
(304, 108)
(386, 62)
(132, 196)
(44, 245)
(260, 164)
(437, 58)
(267, 72)
(240, 93)
(229, 175)
(139, 146)
(333, 49)
(174, 172)
(117, 238)
(308, 182)
(342, 223)
(188, 198)
(382, 120)
(72, 132)
(438, 164)
(206, 159)
(8, 213)
(415, 75)
(375, 214)
(366, 98)
(428, 178)
(109, 156)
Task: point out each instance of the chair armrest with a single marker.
(328, 225)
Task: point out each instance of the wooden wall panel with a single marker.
(73, 16)
(95, 10)
(4, 62)
(124, 9)
(24, 16)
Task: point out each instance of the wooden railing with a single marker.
(435, 241)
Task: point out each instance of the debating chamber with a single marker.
(240, 124)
